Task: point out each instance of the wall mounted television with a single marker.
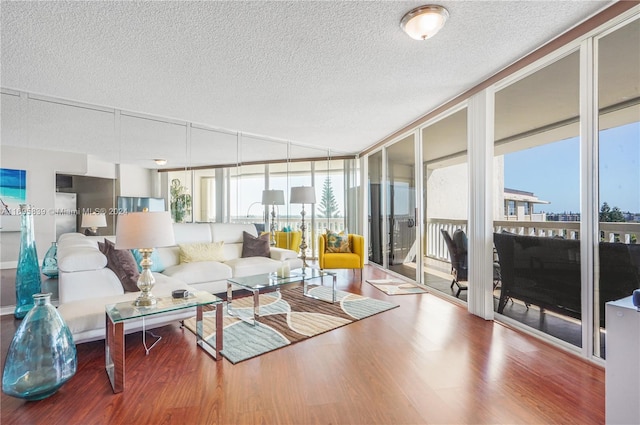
(136, 204)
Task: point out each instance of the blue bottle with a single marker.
(42, 355)
(28, 278)
(50, 262)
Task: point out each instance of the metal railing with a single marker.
(610, 232)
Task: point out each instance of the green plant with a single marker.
(180, 201)
(328, 207)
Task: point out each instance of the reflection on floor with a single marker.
(561, 327)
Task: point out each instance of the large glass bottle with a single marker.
(42, 355)
(50, 262)
(28, 279)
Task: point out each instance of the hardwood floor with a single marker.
(427, 362)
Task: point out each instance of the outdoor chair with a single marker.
(459, 261)
(458, 253)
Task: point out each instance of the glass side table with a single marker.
(117, 314)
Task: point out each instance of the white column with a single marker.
(480, 119)
(589, 226)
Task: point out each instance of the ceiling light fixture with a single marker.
(424, 22)
(160, 161)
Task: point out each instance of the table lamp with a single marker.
(92, 221)
(303, 195)
(145, 231)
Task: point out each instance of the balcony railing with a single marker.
(610, 232)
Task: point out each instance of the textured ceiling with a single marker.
(339, 75)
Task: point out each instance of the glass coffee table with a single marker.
(117, 314)
(271, 281)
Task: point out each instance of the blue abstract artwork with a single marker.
(13, 192)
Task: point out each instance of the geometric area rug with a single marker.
(286, 317)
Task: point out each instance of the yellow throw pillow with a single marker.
(337, 242)
(194, 252)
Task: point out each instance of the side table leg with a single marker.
(201, 342)
(114, 354)
(219, 335)
(334, 288)
(229, 297)
(256, 306)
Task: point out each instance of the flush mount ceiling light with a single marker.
(160, 161)
(424, 22)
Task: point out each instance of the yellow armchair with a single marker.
(289, 240)
(342, 260)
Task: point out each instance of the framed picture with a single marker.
(13, 192)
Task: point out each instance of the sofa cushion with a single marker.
(255, 247)
(195, 252)
(231, 232)
(122, 263)
(192, 233)
(337, 242)
(253, 265)
(199, 272)
(80, 258)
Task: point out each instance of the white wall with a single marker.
(41, 167)
(135, 181)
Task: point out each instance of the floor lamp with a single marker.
(273, 198)
(303, 195)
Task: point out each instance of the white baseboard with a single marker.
(9, 265)
(7, 310)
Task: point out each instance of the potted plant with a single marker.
(180, 201)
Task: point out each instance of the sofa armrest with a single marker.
(88, 284)
(357, 247)
(282, 254)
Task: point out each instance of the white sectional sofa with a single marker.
(86, 285)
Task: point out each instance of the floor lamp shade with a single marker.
(272, 197)
(303, 195)
(144, 230)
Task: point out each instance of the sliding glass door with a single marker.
(376, 209)
(538, 204)
(617, 256)
(446, 200)
(401, 201)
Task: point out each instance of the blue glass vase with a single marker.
(50, 262)
(28, 279)
(42, 355)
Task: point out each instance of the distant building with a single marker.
(519, 206)
(565, 216)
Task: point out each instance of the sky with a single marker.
(552, 171)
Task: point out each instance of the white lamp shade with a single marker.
(303, 195)
(144, 230)
(94, 220)
(272, 197)
(424, 22)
